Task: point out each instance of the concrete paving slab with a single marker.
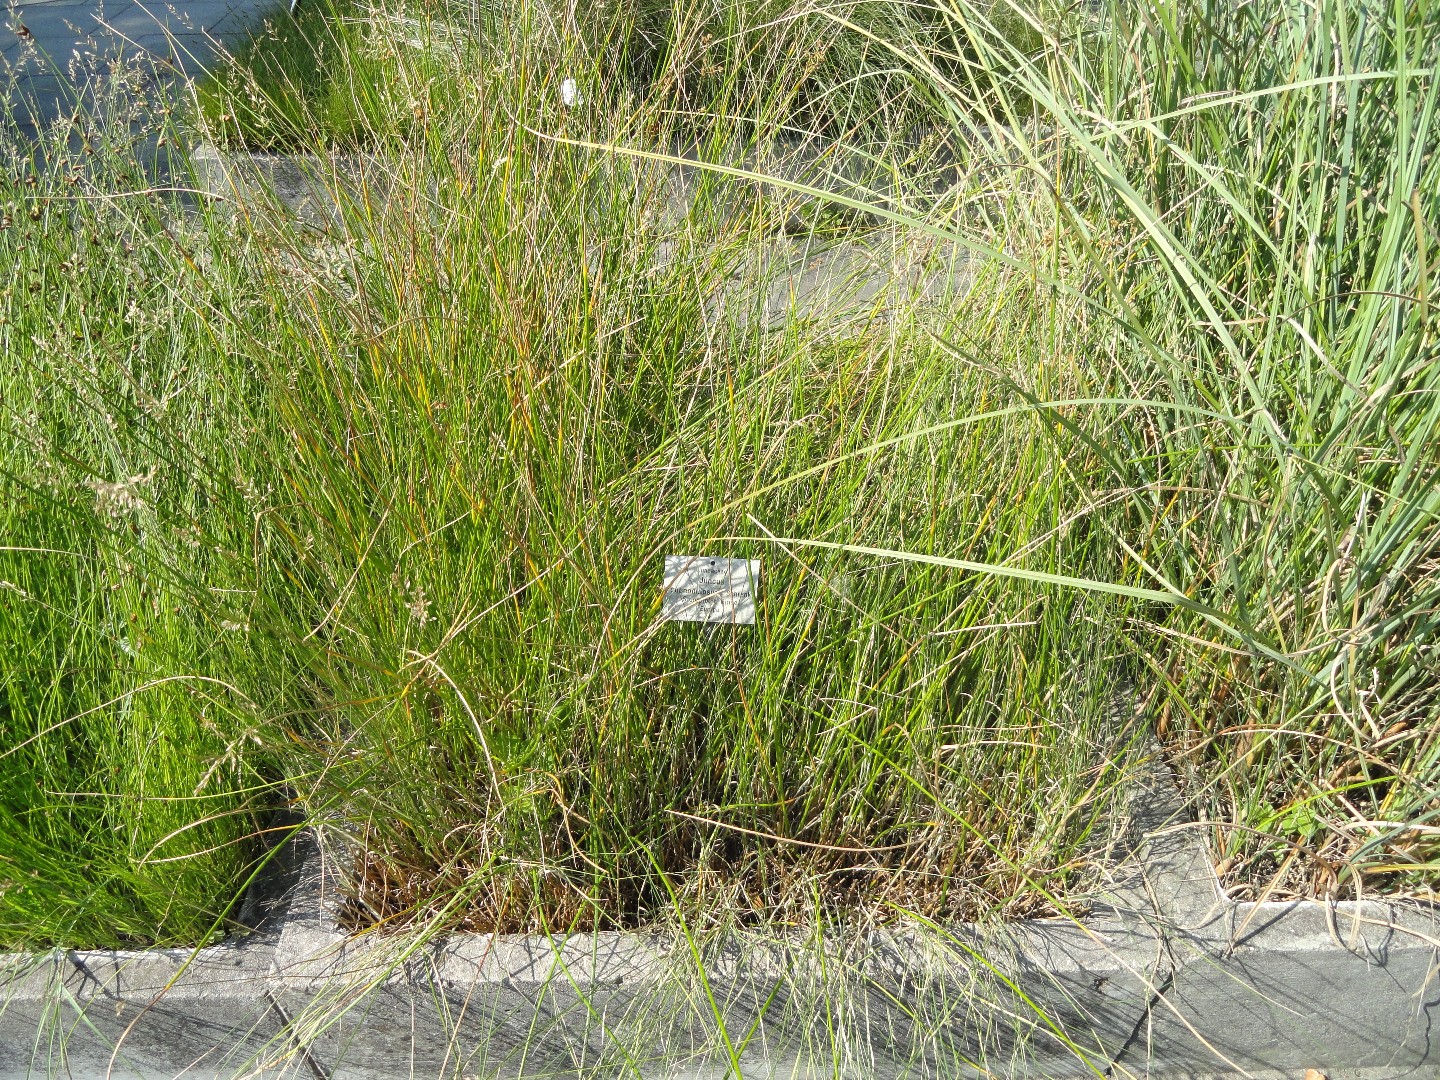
(244, 16)
(100, 1007)
(139, 31)
(44, 97)
(57, 28)
(195, 16)
(47, 52)
(34, 9)
(153, 20)
(1273, 989)
(190, 53)
(12, 53)
(52, 29)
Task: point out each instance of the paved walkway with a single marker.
(49, 49)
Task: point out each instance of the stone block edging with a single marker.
(1166, 978)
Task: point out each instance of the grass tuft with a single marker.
(1120, 387)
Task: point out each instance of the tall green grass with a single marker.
(738, 71)
(488, 447)
(320, 69)
(402, 491)
(127, 762)
(1243, 202)
(410, 487)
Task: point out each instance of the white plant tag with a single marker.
(699, 588)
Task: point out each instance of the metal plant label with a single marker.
(699, 588)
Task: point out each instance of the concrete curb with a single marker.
(791, 276)
(1165, 979)
(312, 188)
